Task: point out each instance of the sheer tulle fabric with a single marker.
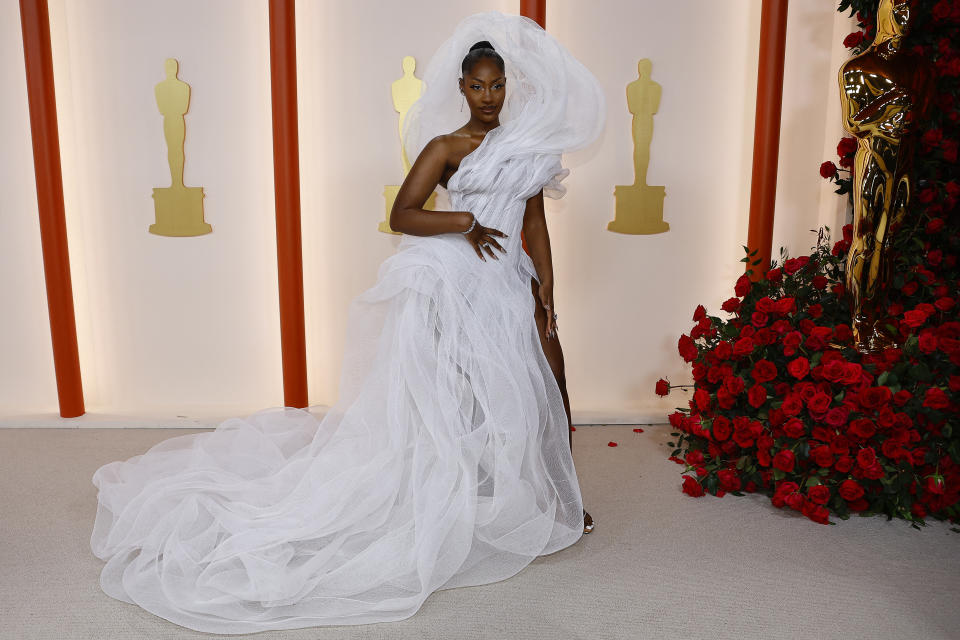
(444, 463)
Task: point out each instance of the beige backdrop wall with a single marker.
(185, 331)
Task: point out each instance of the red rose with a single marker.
(950, 148)
(790, 342)
(819, 403)
(837, 416)
(854, 39)
(862, 428)
(852, 374)
(694, 457)
(699, 313)
(849, 490)
(819, 282)
(874, 398)
(934, 225)
(691, 487)
(729, 480)
(935, 485)
(844, 464)
(846, 147)
(723, 350)
(914, 318)
(866, 457)
(787, 487)
(799, 367)
(792, 405)
(759, 319)
(818, 494)
(763, 457)
(663, 387)
(731, 305)
(928, 340)
(944, 303)
(842, 333)
(687, 348)
(784, 460)
(785, 305)
(757, 396)
(822, 455)
(721, 429)
(743, 347)
(763, 371)
(725, 399)
(701, 397)
(893, 450)
(817, 513)
(901, 397)
(935, 398)
(794, 428)
(858, 505)
(932, 137)
(734, 384)
(794, 501)
(792, 265)
(828, 170)
(774, 275)
(743, 285)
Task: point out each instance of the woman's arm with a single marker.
(408, 215)
(538, 242)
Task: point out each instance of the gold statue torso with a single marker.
(884, 93)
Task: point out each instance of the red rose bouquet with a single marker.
(783, 404)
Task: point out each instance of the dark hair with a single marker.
(482, 49)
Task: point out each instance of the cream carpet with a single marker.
(659, 565)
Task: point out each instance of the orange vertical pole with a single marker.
(286, 175)
(766, 137)
(536, 10)
(38, 59)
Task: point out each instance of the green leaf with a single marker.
(812, 481)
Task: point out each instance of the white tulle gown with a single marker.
(445, 461)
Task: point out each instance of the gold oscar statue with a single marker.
(639, 207)
(405, 92)
(884, 93)
(178, 209)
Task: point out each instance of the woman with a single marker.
(444, 462)
(483, 86)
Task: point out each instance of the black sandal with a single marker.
(588, 523)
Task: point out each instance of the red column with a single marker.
(286, 175)
(766, 137)
(535, 10)
(35, 22)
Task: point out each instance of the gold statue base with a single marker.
(873, 338)
(179, 212)
(639, 210)
(389, 195)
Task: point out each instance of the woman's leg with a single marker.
(551, 349)
(554, 354)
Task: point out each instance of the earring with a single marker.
(462, 100)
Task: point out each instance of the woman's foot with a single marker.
(587, 522)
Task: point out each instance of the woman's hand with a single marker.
(546, 299)
(482, 237)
